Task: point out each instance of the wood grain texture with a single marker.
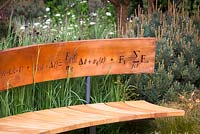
(38, 63)
(80, 116)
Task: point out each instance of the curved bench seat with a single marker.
(80, 116)
(53, 61)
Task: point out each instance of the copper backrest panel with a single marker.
(44, 62)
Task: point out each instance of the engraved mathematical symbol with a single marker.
(71, 58)
(69, 68)
(123, 59)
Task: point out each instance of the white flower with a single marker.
(92, 23)
(45, 27)
(53, 30)
(108, 14)
(94, 14)
(69, 28)
(73, 16)
(83, 1)
(60, 22)
(68, 13)
(110, 33)
(48, 20)
(22, 28)
(75, 25)
(82, 22)
(68, 33)
(72, 5)
(36, 24)
(47, 9)
(62, 28)
(45, 16)
(57, 15)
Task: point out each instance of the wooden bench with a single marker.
(38, 63)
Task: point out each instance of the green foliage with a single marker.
(189, 124)
(177, 62)
(177, 56)
(30, 10)
(3, 29)
(79, 7)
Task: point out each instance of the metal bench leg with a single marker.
(90, 130)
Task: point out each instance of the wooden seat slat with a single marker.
(71, 113)
(57, 115)
(145, 105)
(92, 110)
(7, 129)
(122, 105)
(163, 110)
(102, 106)
(52, 119)
(28, 123)
(81, 116)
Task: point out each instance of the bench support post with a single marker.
(87, 90)
(90, 130)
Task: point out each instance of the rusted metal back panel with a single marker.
(44, 62)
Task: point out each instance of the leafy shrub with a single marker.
(177, 55)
